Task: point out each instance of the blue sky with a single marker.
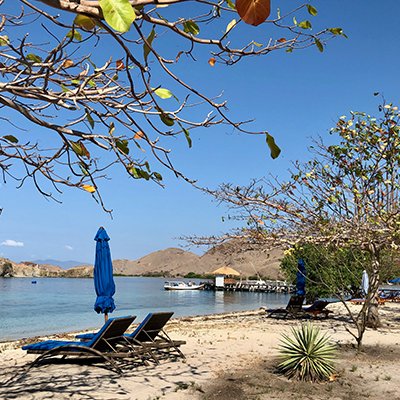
(294, 96)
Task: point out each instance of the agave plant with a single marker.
(308, 355)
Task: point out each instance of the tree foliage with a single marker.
(335, 272)
(345, 197)
(330, 271)
(105, 79)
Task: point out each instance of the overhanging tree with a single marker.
(346, 196)
(105, 82)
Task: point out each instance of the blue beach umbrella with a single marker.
(103, 275)
(364, 283)
(301, 278)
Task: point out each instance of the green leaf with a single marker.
(144, 174)
(191, 27)
(319, 45)
(188, 138)
(138, 173)
(164, 93)
(11, 138)
(119, 14)
(304, 24)
(84, 22)
(146, 46)
(80, 149)
(89, 118)
(157, 176)
(165, 118)
(75, 82)
(92, 83)
(75, 35)
(4, 40)
(336, 31)
(275, 150)
(64, 88)
(123, 146)
(312, 10)
(33, 57)
(83, 169)
(230, 4)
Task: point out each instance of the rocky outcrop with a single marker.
(6, 268)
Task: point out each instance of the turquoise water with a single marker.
(55, 305)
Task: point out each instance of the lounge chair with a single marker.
(292, 309)
(316, 309)
(105, 344)
(150, 334)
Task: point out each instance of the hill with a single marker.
(248, 259)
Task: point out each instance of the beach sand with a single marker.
(229, 356)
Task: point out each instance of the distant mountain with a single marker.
(62, 264)
(248, 259)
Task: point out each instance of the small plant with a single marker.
(353, 368)
(308, 355)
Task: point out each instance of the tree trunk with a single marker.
(373, 320)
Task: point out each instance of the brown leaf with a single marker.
(139, 135)
(281, 40)
(67, 63)
(120, 65)
(211, 61)
(253, 12)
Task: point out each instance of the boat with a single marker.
(180, 285)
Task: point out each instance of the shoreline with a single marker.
(14, 343)
(229, 356)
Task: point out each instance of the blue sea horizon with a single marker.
(58, 305)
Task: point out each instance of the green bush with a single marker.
(308, 355)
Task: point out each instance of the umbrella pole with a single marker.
(105, 317)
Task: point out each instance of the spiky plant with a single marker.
(308, 355)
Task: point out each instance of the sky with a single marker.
(294, 96)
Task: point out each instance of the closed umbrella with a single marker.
(364, 283)
(301, 278)
(103, 275)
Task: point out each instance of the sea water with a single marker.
(55, 305)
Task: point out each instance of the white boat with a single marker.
(180, 285)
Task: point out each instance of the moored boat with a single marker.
(180, 285)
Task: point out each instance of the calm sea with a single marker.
(55, 305)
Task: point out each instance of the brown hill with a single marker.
(249, 260)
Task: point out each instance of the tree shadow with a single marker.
(88, 379)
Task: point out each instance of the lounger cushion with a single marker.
(52, 344)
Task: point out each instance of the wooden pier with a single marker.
(265, 286)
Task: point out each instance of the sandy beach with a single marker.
(229, 356)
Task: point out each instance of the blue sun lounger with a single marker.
(150, 334)
(105, 344)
